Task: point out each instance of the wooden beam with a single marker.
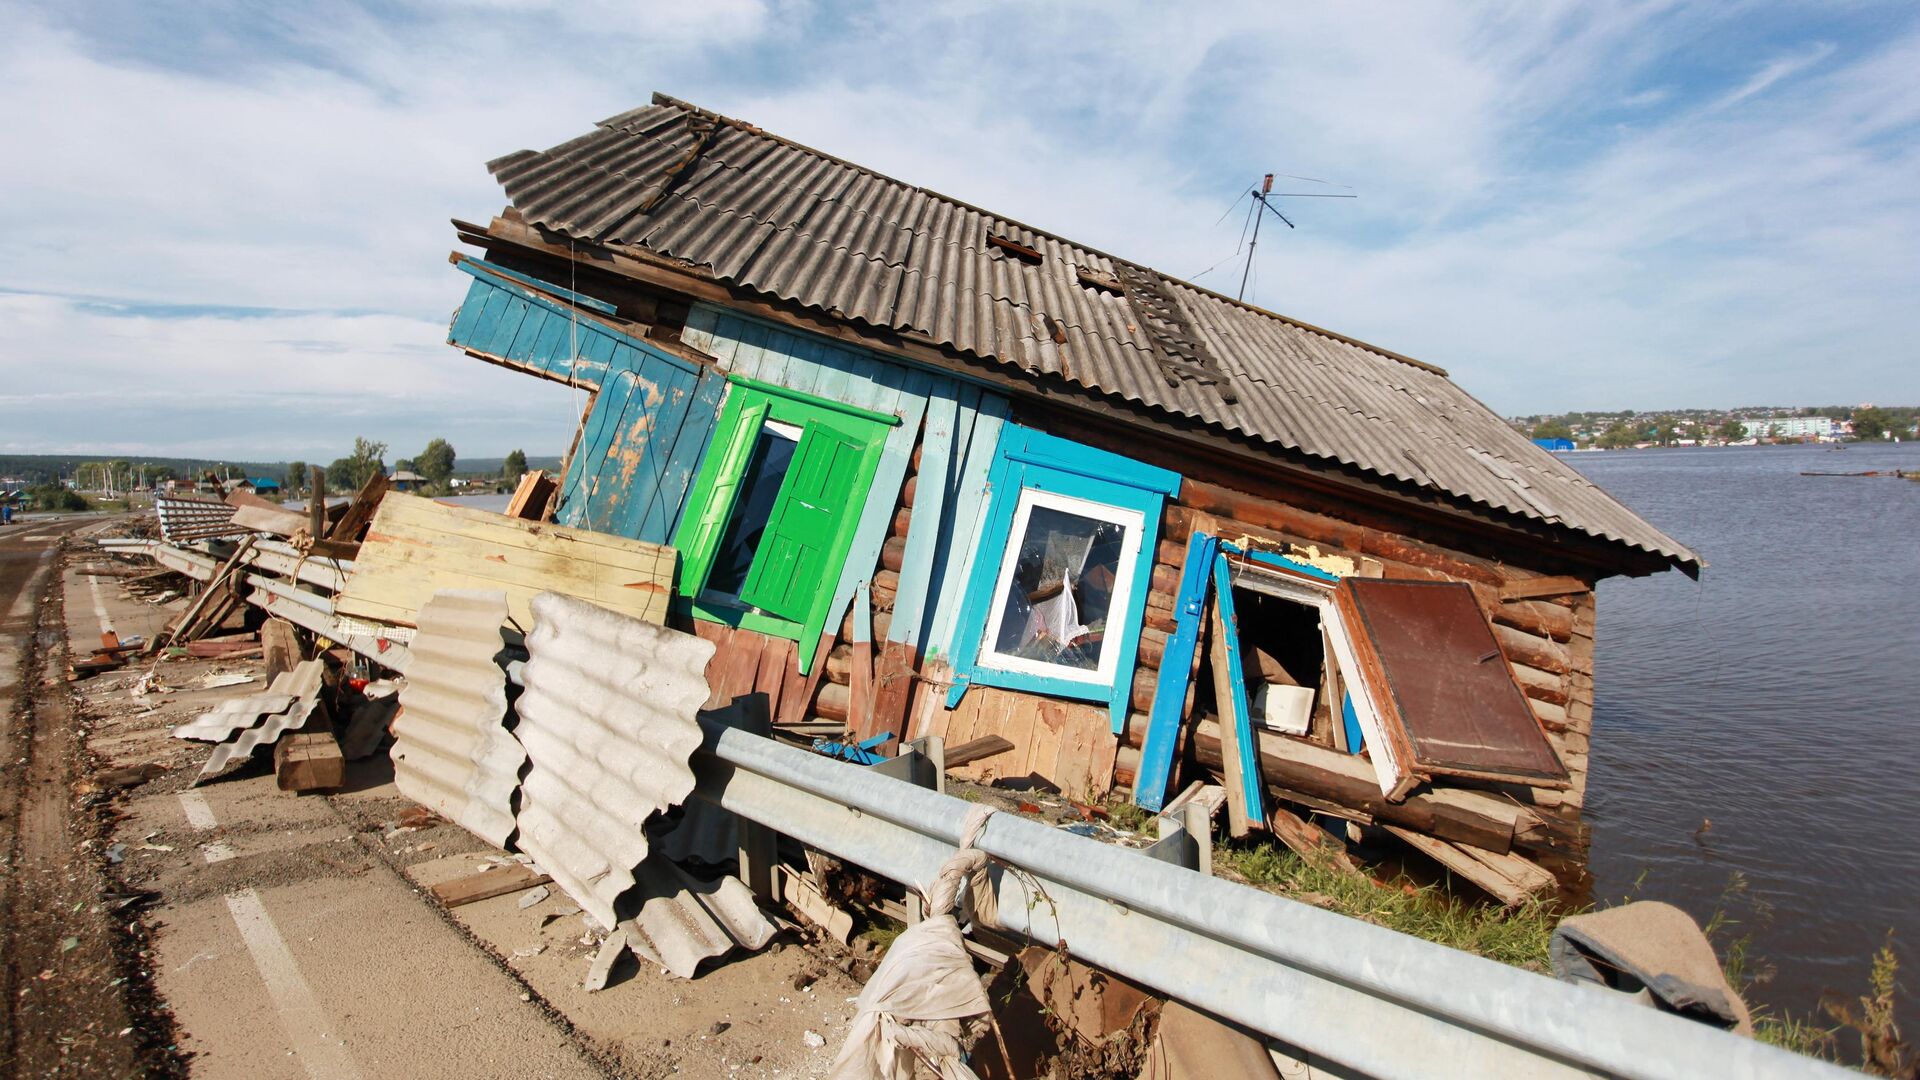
(973, 750)
(316, 502)
(1308, 841)
(1494, 882)
(1533, 588)
(360, 511)
(531, 496)
(487, 884)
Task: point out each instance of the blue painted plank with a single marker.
(478, 293)
(521, 350)
(505, 327)
(486, 319)
(1176, 669)
(481, 269)
(698, 332)
(683, 460)
(968, 502)
(1356, 736)
(664, 410)
(1252, 797)
(930, 515)
(554, 348)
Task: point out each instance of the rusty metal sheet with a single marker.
(608, 722)
(1439, 676)
(787, 221)
(452, 752)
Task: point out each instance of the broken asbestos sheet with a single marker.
(452, 752)
(256, 720)
(609, 723)
(682, 922)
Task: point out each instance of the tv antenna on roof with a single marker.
(1261, 197)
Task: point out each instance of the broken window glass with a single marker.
(1054, 605)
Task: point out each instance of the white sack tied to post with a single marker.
(925, 1003)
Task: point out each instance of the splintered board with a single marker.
(415, 547)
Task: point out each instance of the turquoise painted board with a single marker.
(637, 452)
(977, 426)
(652, 412)
(929, 516)
(528, 324)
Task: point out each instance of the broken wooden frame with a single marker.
(1414, 660)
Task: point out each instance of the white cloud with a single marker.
(1730, 242)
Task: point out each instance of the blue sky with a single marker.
(223, 227)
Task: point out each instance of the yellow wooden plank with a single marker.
(405, 513)
(416, 547)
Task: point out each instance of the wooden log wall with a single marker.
(1547, 642)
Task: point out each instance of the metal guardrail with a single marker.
(1372, 1001)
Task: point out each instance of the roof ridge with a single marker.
(754, 129)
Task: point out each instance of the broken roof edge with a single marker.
(995, 215)
(890, 344)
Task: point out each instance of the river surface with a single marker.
(1778, 698)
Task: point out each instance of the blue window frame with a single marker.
(1053, 604)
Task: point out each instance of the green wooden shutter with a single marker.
(800, 551)
(711, 503)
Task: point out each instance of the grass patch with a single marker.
(1516, 936)
(1127, 817)
(881, 933)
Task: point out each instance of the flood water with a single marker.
(1775, 698)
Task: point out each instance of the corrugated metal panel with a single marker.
(302, 687)
(608, 722)
(452, 752)
(182, 518)
(795, 224)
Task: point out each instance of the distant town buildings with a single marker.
(1791, 427)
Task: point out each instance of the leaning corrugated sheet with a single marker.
(452, 752)
(303, 685)
(795, 224)
(608, 721)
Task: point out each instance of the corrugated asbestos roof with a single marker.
(452, 752)
(608, 721)
(299, 688)
(790, 222)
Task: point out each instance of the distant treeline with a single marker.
(49, 468)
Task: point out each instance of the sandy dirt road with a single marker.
(70, 972)
(283, 936)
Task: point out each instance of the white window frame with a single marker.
(1132, 524)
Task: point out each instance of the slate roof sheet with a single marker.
(781, 219)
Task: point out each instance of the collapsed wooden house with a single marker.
(931, 471)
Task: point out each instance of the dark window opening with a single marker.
(752, 509)
(1283, 657)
